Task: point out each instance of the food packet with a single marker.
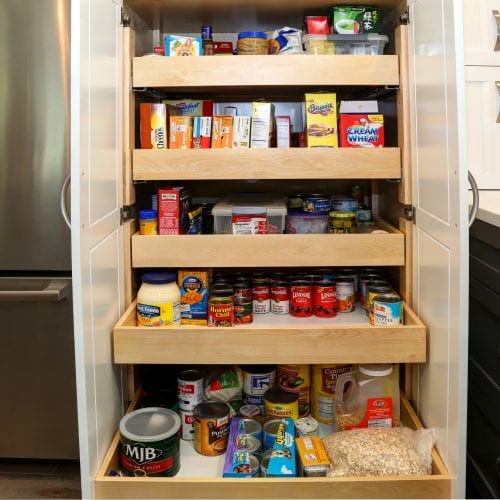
(286, 41)
(377, 451)
(224, 383)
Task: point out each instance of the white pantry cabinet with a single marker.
(428, 163)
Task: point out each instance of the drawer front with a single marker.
(480, 32)
(483, 124)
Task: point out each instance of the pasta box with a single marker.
(361, 131)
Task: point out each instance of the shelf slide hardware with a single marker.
(496, 16)
(497, 83)
(475, 198)
(127, 212)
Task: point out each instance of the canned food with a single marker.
(364, 215)
(295, 202)
(261, 296)
(301, 301)
(221, 306)
(352, 273)
(316, 203)
(242, 292)
(387, 309)
(269, 430)
(280, 297)
(249, 411)
(293, 378)
(189, 389)
(325, 301)
(364, 278)
(342, 204)
(342, 222)
(264, 461)
(246, 442)
(258, 379)
(241, 464)
(256, 401)
(281, 404)
(357, 193)
(187, 425)
(345, 294)
(374, 290)
(243, 312)
(211, 428)
(251, 427)
(307, 426)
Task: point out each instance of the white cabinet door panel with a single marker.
(483, 125)
(481, 31)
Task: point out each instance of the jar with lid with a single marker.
(158, 300)
(148, 222)
(252, 43)
(342, 222)
(371, 400)
(221, 305)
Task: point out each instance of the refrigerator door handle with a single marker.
(55, 291)
(62, 199)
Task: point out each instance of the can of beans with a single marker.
(187, 425)
(258, 379)
(189, 389)
(211, 428)
(280, 297)
(325, 300)
(261, 296)
(301, 300)
(221, 305)
(281, 404)
(345, 294)
(149, 442)
(374, 290)
(387, 309)
(364, 278)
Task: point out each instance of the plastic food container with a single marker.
(372, 45)
(306, 223)
(318, 45)
(274, 207)
(252, 43)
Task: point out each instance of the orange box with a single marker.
(216, 131)
(226, 135)
(153, 126)
(181, 132)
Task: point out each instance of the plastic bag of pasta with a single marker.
(377, 451)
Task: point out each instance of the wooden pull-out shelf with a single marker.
(271, 250)
(272, 163)
(293, 71)
(273, 339)
(199, 477)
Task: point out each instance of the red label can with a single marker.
(301, 299)
(325, 301)
(280, 298)
(261, 296)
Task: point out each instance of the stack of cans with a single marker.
(190, 393)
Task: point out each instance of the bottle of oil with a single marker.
(207, 42)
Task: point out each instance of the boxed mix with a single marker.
(262, 124)
(174, 205)
(361, 130)
(153, 126)
(241, 132)
(222, 132)
(189, 107)
(202, 132)
(181, 132)
(193, 284)
(283, 132)
(321, 120)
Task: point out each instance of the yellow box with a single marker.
(321, 120)
(193, 285)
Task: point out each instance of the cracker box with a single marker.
(174, 205)
(282, 461)
(181, 132)
(189, 107)
(241, 131)
(193, 284)
(153, 127)
(321, 120)
(262, 124)
(312, 457)
(202, 132)
(361, 131)
(283, 132)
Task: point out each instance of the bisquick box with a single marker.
(174, 205)
(282, 461)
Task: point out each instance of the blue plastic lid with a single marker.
(252, 34)
(147, 214)
(307, 214)
(159, 278)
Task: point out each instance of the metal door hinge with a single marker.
(404, 18)
(125, 18)
(127, 212)
(411, 213)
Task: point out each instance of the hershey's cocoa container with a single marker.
(324, 298)
(189, 389)
(301, 301)
(261, 296)
(280, 297)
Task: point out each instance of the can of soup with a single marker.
(301, 301)
(187, 425)
(261, 296)
(345, 294)
(280, 297)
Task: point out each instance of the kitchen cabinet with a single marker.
(427, 165)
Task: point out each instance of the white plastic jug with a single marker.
(371, 400)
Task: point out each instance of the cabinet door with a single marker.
(481, 22)
(96, 233)
(440, 237)
(482, 88)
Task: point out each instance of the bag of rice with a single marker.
(377, 451)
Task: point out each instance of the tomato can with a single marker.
(211, 428)
(345, 294)
(280, 404)
(325, 300)
(261, 296)
(280, 297)
(301, 300)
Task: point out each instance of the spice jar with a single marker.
(342, 222)
(159, 300)
(148, 222)
(221, 305)
(252, 43)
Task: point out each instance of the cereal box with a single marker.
(153, 128)
(361, 131)
(189, 107)
(241, 132)
(193, 284)
(174, 205)
(181, 132)
(321, 120)
(262, 124)
(202, 131)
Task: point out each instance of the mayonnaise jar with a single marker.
(158, 300)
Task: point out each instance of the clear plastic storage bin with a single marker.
(273, 206)
(345, 44)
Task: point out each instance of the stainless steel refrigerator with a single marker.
(38, 414)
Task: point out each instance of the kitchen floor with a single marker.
(39, 479)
